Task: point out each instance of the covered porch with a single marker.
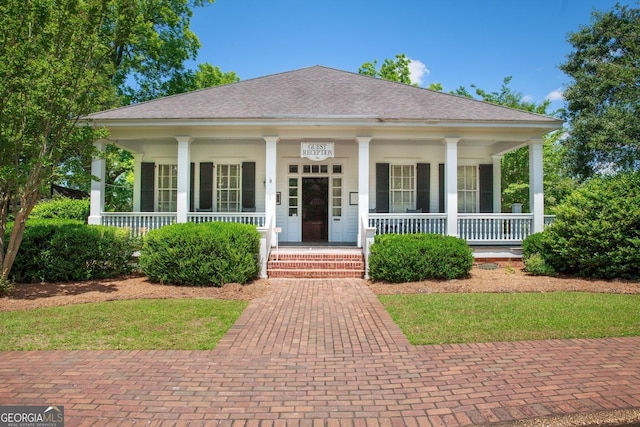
(486, 228)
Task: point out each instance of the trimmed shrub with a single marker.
(66, 250)
(62, 208)
(533, 244)
(413, 257)
(201, 254)
(596, 232)
(534, 248)
(537, 266)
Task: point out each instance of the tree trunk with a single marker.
(15, 239)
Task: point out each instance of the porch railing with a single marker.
(474, 228)
(141, 222)
(494, 228)
(138, 222)
(411, 223)
(253, 218)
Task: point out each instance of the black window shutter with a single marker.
(191, 187)
(382, 187)
(486, 188)
(423, 193)
(248, 185)
(206, 186)
(147, 178)
(441, 194)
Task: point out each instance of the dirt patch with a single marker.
(503, 277)
(507, 276)
(35, 295)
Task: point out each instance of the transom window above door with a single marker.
(315, 169)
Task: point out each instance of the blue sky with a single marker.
(453, 42)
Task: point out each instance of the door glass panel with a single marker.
(293, 196)
(337, 196)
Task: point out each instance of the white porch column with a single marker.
(451, 184)
(536, 184)
(98, 169)
(271, 158)
(184, 172)
(363, 186)
(137, 173)
(497, 183)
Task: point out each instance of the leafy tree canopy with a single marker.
(54, 67)
(150, 42)
(506, 97)
(395, 70)
(603, 98)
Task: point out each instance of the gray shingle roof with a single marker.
(318, 92)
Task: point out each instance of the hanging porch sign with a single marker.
(316, 151)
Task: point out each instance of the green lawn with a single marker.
(426, 319)
(483, 317)
(185, 324)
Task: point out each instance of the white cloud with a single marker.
(556, 95)
(417, 71)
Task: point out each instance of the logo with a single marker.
(31, 416)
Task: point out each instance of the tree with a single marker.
(395, 70)
(515, 165)
(54, 67)
(149, 43)
(206, 75)
(603, 98)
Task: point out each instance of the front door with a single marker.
(315, 209)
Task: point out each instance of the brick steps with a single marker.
(319, 264)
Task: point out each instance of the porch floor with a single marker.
(479, 252)
(497, 253)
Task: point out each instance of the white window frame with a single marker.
(167, 188)
(228, 187)
(402, 187)
(468, 189)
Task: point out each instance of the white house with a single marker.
(323, 155)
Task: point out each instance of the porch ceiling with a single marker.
(504, 136)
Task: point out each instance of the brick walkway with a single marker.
(324, 352)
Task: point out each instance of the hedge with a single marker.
(413, 257)
(67, 250)
(61, 208)
(201, 254)
(596, 232)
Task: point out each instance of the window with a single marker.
(336, 196)
(467, 189)
(315, 169)
(228, 188)
(402, 188)
(167, 188)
